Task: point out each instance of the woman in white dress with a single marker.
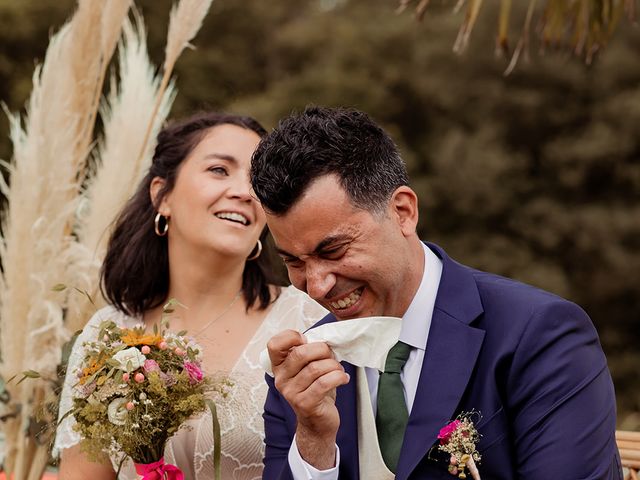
(193, 232)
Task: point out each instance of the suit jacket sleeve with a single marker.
(561, 399)
(279, 428)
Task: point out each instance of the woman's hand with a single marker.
(74, 465)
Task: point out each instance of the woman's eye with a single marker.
(218, 170)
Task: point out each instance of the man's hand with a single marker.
(306, 375)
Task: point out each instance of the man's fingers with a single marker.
(280, 345)
(327, 384)
(310, 373)
(310, 402)
(302, 355)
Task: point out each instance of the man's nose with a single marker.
(319, 280)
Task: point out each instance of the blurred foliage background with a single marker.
(535, 175)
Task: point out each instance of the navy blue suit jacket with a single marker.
(528, 361)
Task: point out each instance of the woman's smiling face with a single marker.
(210, 206)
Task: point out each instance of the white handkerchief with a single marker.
(363, 342)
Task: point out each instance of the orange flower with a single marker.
(133, 338)
(90, 370)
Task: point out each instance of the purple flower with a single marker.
(168, 378)
(194, 372)
(85, 390)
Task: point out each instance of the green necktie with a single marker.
(392, 416)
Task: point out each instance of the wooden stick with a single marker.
(627, 436)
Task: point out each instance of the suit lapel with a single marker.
(450, 355)
(347, 438)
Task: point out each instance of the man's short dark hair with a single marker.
(322, 141)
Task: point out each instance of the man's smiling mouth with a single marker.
(347, 301)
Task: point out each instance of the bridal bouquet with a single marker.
(135, 389)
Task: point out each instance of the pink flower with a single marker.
(162, 345)
(179, 351)
(151, 366)
(125, 377)
(129, 405)
(145, 350)
(445, 432)
(194, 372)
(138, 377)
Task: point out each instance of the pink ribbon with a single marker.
(157, 471)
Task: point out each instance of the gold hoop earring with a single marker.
(156, 225)
(257, 254)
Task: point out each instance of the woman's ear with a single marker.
(157, 184)
(404, 208)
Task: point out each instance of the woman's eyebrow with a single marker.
(221, 156)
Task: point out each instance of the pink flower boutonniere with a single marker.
(459, 438)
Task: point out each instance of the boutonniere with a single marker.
(459, 438)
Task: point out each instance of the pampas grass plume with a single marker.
(55, 226)
(127, 112)
(185, 21)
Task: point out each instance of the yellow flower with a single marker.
(133, 338)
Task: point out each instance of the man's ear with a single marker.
(404, 208)
(157, 184)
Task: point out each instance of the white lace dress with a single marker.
(240, 417)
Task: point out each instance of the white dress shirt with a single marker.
(416, 323)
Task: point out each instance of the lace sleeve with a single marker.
(66, 436)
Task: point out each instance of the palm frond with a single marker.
(467, 26)
(583, 26)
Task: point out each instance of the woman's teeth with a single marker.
(234, 217)
(346, 302)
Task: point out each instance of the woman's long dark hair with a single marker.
(135, 272)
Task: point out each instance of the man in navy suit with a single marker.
(344, 219)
